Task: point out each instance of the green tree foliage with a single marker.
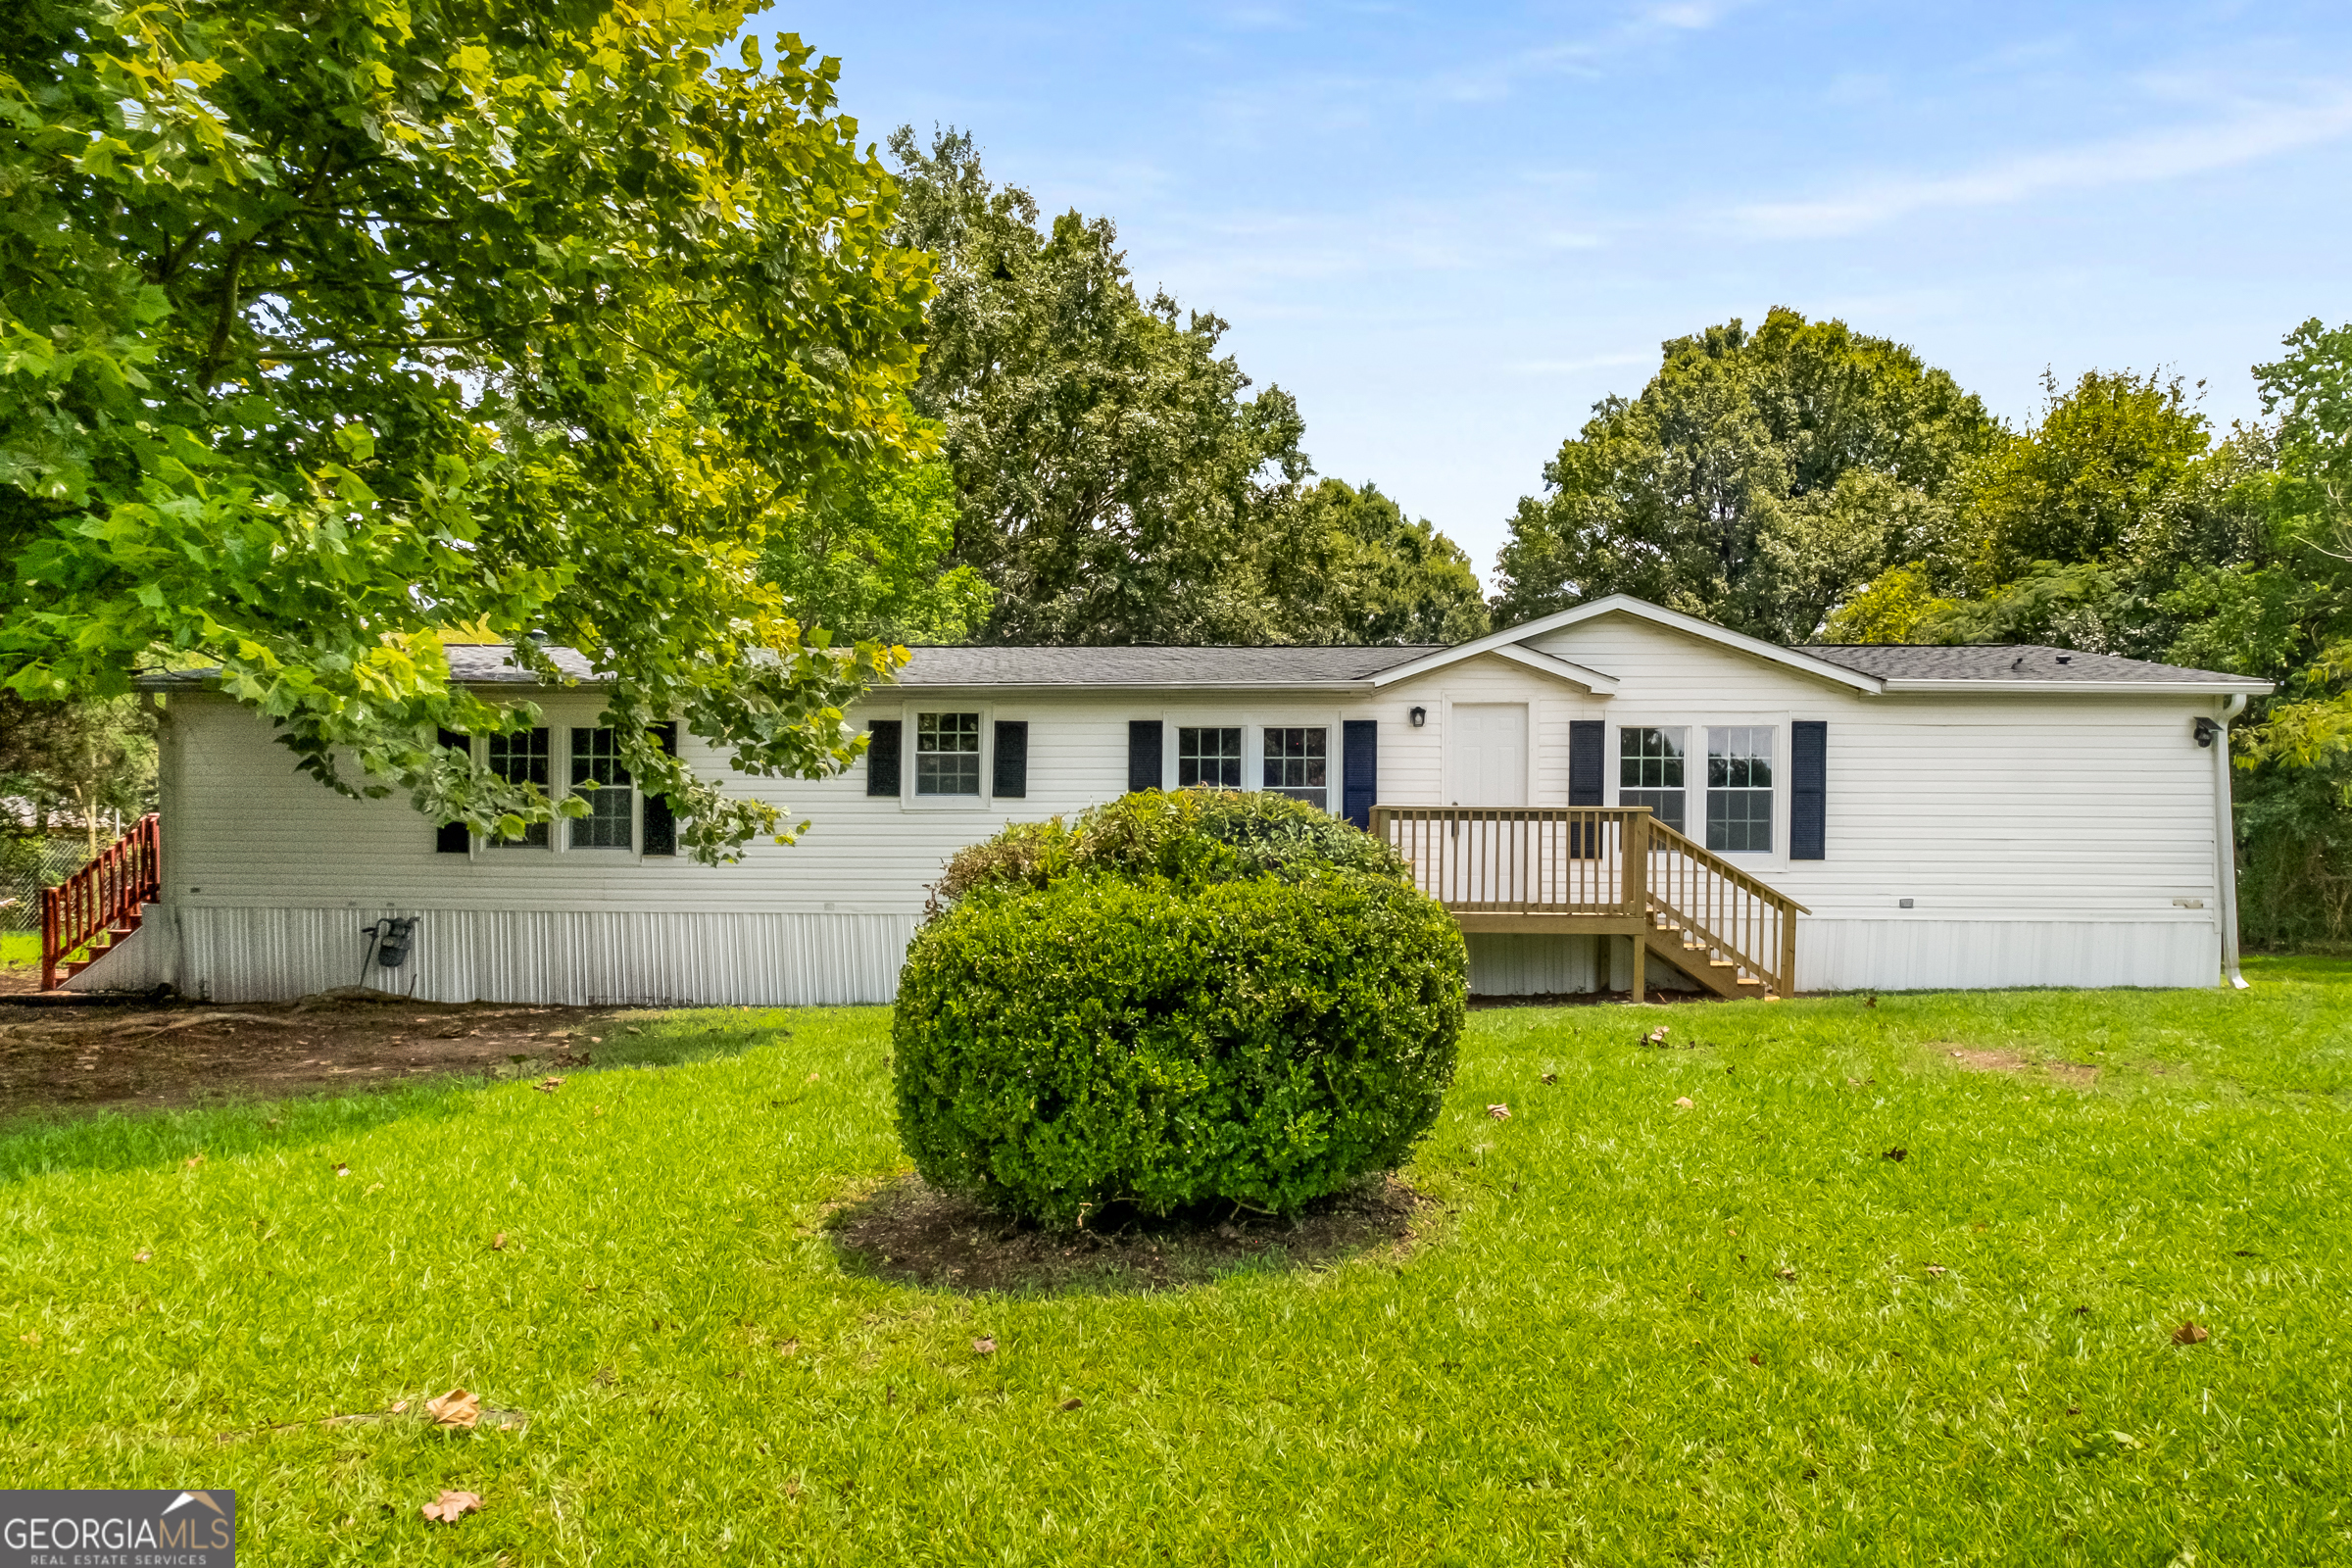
(1181, 1000)
(1364, 572)
(77, 761)
(863, 560)
(1758, 479)
(1118, 480)
(1117, 485)
(327, 334)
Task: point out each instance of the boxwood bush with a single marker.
(1178, 999)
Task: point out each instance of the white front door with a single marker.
(1485, 759)
(1486, 765)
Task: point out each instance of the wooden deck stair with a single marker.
(98, 907)
(1611, 870)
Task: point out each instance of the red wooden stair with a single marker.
(99, 906)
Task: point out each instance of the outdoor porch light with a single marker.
(1419, 716)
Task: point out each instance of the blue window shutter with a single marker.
(1587, 742)
(882, 756)
(1143, 754)
(661, 823)
(1359, 765)
(1588, 739)
(452, 838)
(1012, 760)
(1808, 790)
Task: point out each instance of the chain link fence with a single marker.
(28, 865)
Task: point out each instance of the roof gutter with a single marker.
(2224, 843)
(2237, 691)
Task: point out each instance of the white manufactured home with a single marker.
(1612, 796)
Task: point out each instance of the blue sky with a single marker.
(1449, 230)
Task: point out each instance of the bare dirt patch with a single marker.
(152, 1056)
(911, 1234)
(1971, 1060)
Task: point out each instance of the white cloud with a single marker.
(2254, 133)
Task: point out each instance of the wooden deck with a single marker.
(1603, 870)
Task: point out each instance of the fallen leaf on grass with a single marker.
(548, 1086)
(1786, 1273)
(1551, 1077)
(1898, 1155)
(498, 1242)
(342, 1170)
(1755, 1361)
(1500, 1112)
(2190, 1334)
(450, 1506)
(1684, 1103)
(30, 1339)
(456, 1408)
(813, 1077)
(195, 1160)
(399, 1408)
(1072, 1404)
(140, 1257)
(1936, 1270)
(984, 1347)
(790, 1347)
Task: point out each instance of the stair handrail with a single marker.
(1777, 972)
(127, 875)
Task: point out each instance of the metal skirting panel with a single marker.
(1982, 954)
(146, 959)
(578, 957)
(1512, 966)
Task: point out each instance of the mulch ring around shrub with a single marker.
(910, 1234)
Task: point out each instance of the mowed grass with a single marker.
(20, 948)
(1592, 1353)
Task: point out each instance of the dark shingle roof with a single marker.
(470, 663)
(1151, 666)
(2004, 662)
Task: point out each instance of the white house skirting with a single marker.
(1988, 955)
(578, 957)
(730, 959)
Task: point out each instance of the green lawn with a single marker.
(20, 948)
(1592, 1357)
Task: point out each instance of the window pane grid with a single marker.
(1211, 756)
(598, 778)
(521, 758)
(1296, 764)
(1649, 772)
(1739, 787)
(947, 754)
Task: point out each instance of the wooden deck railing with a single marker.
(1602, 869)
(1722, 911)
(104, 896)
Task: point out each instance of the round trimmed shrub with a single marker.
(1177, 1000)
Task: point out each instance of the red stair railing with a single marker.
(111, 890)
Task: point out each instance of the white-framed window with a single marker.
(947, 756)
(1651, 771)
(522, 758)
(1297, 762)
(1209, 754)
(598, 778)
(1739, 787)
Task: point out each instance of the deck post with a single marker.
(1786, 988)
(1633, 893)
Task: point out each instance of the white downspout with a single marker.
(2224, 840)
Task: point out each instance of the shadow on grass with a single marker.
(245, 1118)
(910, 1234)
